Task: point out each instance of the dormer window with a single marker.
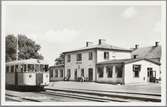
(134, 56)
(106, 55)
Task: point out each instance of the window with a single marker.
(136, 70)
(16, 68)
(42, 68)
(90, 55)
(37, 67)
(30, 67)
(79, 57)
(56, 72)
(12, 68)
(51, 73)
(68, 58)
(106, 55)
(148, 71)
(100, 71)
(134, 56)
(68, 73)
(119, 70)
(109, 71)
(7, 68)
(46, 68)
(61, 72)
(82, 72)
(22, 68)
(25, 68)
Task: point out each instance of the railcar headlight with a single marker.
(46, 76)
(30, 76)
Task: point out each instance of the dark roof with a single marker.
(126, 61)
(56, 66)
(148, 52)
(102, 46)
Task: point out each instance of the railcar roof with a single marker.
(27, 61)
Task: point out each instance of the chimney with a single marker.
(88, 44)
(156, 44)
(101, 41)
(136, 46)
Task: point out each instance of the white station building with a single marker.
(112, 64)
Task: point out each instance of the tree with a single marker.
(60, 59)
(27, 48)
(10, 47)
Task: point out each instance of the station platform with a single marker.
(138, 88)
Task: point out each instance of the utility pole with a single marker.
(17, 47)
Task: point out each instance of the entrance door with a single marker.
(39, 78)
(75, 74)
(151, 75)
(90, 74)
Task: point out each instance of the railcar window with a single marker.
(25, 68)
(12, 68)
(22, 68)
(46, 68)
(30, 67)
(37, 67)
(42, 68)
(7, 68)
(16, 68)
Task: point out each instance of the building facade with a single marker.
(125, 71)
(110, 64)
(56, 72)
(82, 62)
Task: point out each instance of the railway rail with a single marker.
(110, 96)
(95, 98)
(64, 96)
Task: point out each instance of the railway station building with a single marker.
(111, 64)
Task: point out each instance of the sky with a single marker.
(58, 28)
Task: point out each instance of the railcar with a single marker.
(27, 74)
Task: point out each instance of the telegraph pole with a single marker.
(17, 46)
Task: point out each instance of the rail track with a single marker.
(108, 96)
(19, 99)
(86, 97)
(68, 96)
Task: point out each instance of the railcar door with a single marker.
(39, 78)
(16, 75)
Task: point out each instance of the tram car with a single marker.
(27, 74)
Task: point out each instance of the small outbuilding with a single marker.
(125, 71)
(57, 72)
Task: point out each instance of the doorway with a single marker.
(90, 74)
(151, 75)
(75, 74)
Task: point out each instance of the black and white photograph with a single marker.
(91, 53)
